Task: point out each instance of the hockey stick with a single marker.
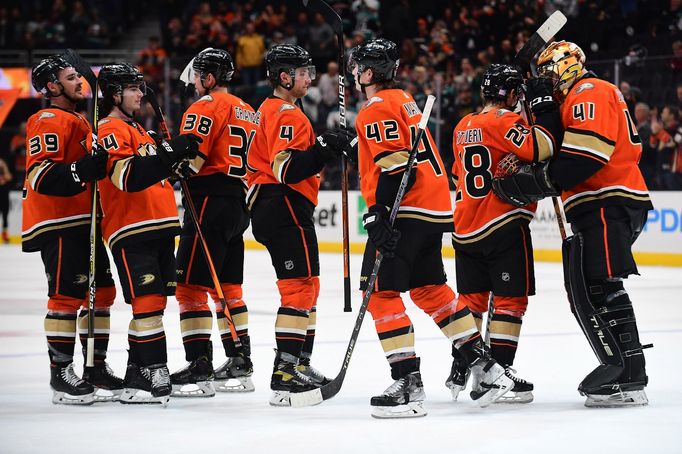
(333, 19)
(84, 69)
(332, 388)
(151, 97)
(491, 309)
(524, 59)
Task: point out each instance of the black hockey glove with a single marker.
(158, 140)
(381, 233)
(330, 145)
(91, 167)
(529, 183)
(539, 94)
(176, 152)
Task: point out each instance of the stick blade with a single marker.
(539, 40)
(306, 398)
(552, 25)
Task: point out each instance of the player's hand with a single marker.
(539, 94)
(332, 144)
(527, 184)
(91, 167)
(178, 150)
(381, 233)
(158, 140)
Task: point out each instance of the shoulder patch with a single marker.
(372, 100)
(584, 86)
(103, 121)
(46, 115)
(501, 112)
(208, 98)
(285, 107)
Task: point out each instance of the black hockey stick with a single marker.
(151, 97)
(334, 20)
(84, 69)
(332, 388)
(524, 58)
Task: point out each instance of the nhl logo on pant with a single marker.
(289, 264)
(506, 277)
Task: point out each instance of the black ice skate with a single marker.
(521, 392)
(194, 380)
(458, 378)
(146, 385)
(611, 386)
(403, 399)
(287, 379)
(68, 388)
(108, 387)
(315, 375)
(234, 376)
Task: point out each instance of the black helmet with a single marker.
(114, 77)
(215, 61)
(381, 55)
(499, 80)
(287, 57)
(46, 71)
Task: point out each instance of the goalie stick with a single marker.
(151, 97)
(84, 69)
(332, 388)
(334, 20)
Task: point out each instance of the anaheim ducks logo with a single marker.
(147, 279)
(80, 279)
(286, 107)
(584, 86)
(146, 149)
(46, 115)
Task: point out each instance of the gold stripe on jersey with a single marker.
(252, 195)
(544, 145)
(605, 193)
(119, 172)
(55, 224)
(588, 142)
(279, 164)
(493, 225)
(143, 227)
(390, 161)
(37, 171)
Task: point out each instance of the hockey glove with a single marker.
(529, 183)
(330, 145)
(381, 233)
(539, 94)
(91, 167)
(176, 152)
(158, 140)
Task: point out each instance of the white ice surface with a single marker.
(553, 354)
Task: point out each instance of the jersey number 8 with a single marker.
(477, 175)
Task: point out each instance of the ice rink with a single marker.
(553, 354)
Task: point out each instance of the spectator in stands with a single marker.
(152, 59)
(16, 158)
(678, 93)
(666, 137)
(328, 84)
(647, 163)
(249, 55)
(321, 45)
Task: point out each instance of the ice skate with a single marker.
(458, 378)
(146, 385)
(489, 381)
(521, 392)
(611, 386)
(68, 388)
(194, 380)
(108, 387)
(234, 376)
(287, 379)
(403, 399)
(305, 368)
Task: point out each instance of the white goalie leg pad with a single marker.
(280, 399)
(617, 399)
(198, 389)
(410, 410)
(62, 398)
(234, 385)
(139, 396)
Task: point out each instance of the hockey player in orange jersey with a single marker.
(217, 184)
(57, 201)
(386, 127)
(494, 251)
(284, 164)
(140, 222)
(606, 201)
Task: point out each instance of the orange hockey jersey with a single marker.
(284, 130)
(479, 142)
(133, 211)
(53, 201)
(600, 133)
(386, 128)
(227, 126)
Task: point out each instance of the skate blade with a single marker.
(141, 397)
(198, 389)
(512, 397)
(306, 398)
(492, 392)
(455, 390)
(621, 399)
(409, 410)
(234, 385)
(280, 399)
(107, 395)
(62, 398)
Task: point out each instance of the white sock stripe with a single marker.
(192, 332)
(281, 329)
(466, 333)
(60, 334)
(504, 337)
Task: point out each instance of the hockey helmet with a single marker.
(564, 63)
(46, 71)
(381, 55)
(214, 61)
(499, 80)
(287, 58)
(115, 77)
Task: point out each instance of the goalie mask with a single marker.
(291, 59)
(46, 71)
(379, 55)
(564, 63)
